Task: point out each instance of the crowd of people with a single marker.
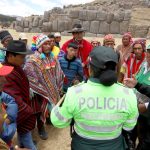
(34, 78)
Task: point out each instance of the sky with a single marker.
(29, 7)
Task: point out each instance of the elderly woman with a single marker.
(132, 64)
(126, 48)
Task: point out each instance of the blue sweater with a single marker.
(72, 70)
(11, 110)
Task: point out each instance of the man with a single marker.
(109, 41)
(57, 36)
(5, 37)
(84, 46)
(71, 67)
(143, 107)
(46, 80)
(53, 48)
(132, 65)
(17, 86)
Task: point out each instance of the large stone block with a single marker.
(26, 30)
(110, 17)
(115, 27)
(104, 28)
(83, 15)
(46, 16)
(101, 15)
(119, 16)
(36, 21)
(40, 23)
(74, 14)
(22, 23)
(94, 28)
(19, 29)
(35, 30)
(141, 31)
(86, 25)
(61, 25)
(127, 15)
(91, 15)
(76, 21)
(55, 26)
(26, 23)
(124, 27)
(47, 27)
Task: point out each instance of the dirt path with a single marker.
(59, 139)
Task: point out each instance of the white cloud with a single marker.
(29, 7)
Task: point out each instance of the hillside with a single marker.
(4, 18)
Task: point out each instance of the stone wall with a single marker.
(95, 21)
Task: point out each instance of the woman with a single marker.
(99, 111)
(125, 49)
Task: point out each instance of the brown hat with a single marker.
(77, 28)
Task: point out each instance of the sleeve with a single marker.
(61, 116)
(123, 68)
(144, 89)
(59, 76)
(12, 107)
(80, 71)
(133, 114)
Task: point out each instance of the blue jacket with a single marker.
(11, 110)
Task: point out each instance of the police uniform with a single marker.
(100, 113)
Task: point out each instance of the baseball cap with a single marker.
(101, 55)
(5, 70)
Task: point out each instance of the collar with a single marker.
(93, 81)
(70, 60)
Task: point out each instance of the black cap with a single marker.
(101, 55)
(73, 45)
(17, 46)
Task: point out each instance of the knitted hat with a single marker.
(41, 39)
(108, 38)
(4, 34)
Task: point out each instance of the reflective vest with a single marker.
(99, 112)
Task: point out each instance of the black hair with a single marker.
(73, 45)
(51, 36)
(9, 53)
(107, 76)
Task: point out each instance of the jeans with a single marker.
(25, 141)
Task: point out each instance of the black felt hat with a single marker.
(17, 46)
(77, 28)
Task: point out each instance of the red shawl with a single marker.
(18, 87)
(133, 64)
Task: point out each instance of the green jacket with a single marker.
(100, 112)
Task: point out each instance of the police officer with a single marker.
(101, 108)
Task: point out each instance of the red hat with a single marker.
(5, 70)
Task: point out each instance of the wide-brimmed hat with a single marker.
(5, 70)
(77, 28)
(18, 47)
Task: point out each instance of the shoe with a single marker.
(42, 133)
